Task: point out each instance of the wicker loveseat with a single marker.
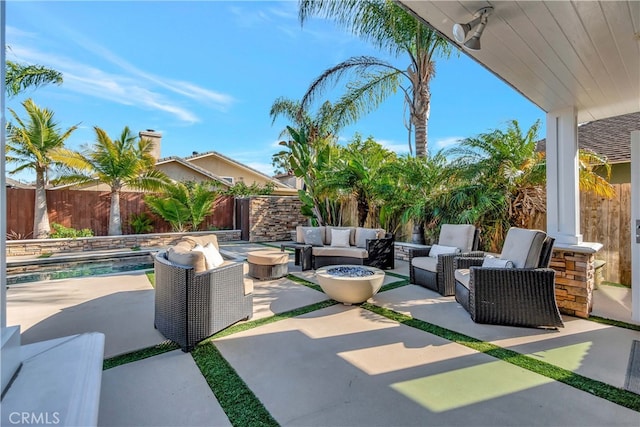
(348, 245)
(515, 289)
(193, 303)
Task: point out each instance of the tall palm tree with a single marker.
(19, 77)
(117, 163)
(30, 144)
(392, 29)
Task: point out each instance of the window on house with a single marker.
(229, 179)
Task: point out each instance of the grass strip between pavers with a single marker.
(597, 388)
(612, 322)
(144, 353)
(237, 400)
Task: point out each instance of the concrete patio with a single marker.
(339, 366)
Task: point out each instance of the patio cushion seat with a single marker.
(352, 252)
(425, 263)
(462, 276)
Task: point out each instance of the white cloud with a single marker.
(265, 168)
(132, 86)
(445, 142)
(394, 146)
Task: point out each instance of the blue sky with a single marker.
(206, 73)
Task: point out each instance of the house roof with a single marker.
(191, 166)
(608, 137)
(12, 183)
(235, 162)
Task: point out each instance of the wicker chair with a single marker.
(519, 296)
(436, 272)
(190, 306)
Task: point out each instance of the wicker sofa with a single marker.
(193, 303)
(515, 289)
(364, 246)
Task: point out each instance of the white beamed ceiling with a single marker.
(556, 53)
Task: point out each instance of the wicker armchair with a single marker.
(519, 296)
(436, 272)
(190, 306)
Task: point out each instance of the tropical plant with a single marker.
(127, 161)
(30, 144)
(184, 205)
(419, 186)
(392, 29)
(141, 223)
(358, 172)
(307, 154)
(20, 77)
(503, 181)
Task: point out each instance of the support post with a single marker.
(635, 226)
(563, 197)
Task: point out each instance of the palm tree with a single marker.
(358, 172)
(503, 179)
(392, 29)
(183, 205)
(117, 163)
(30, 144)
(307, 153)
(19, 77)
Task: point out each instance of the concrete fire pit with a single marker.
(350, 284)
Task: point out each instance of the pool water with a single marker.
(72, 269)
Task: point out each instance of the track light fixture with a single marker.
(479, 20)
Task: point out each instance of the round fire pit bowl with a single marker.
(350, 284)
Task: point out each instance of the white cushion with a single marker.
(458, 235)
(462, 276)
(425, 263)
(212, 257)
(340, 238)
(442, 250)
(492, 262)
(523, 247)
(312, 236)
(364, 234)
(300, 231)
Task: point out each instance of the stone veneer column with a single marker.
(575, 277)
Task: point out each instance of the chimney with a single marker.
(155, 138)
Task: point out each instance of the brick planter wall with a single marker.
(575, 280)
(81, 244)
(272, 218)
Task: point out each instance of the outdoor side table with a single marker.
(302, 254)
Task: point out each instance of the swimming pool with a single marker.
(48, 269)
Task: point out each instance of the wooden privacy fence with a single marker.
(90, 209)
(606, 221)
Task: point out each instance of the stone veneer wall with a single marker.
(402, 249)
(80, 244)
(575, 279)
(272, 218)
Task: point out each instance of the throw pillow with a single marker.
(364, 234)
(312, 237)
(213, 256)
(492, 262)
(340, 238)
(442, 250)
(210, 258)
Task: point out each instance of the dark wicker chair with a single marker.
(520, 296)
(190, 306)
(437, 273)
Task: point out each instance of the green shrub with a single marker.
(59, 231)
(141, 223)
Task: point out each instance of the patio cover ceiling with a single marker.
(556, 53)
